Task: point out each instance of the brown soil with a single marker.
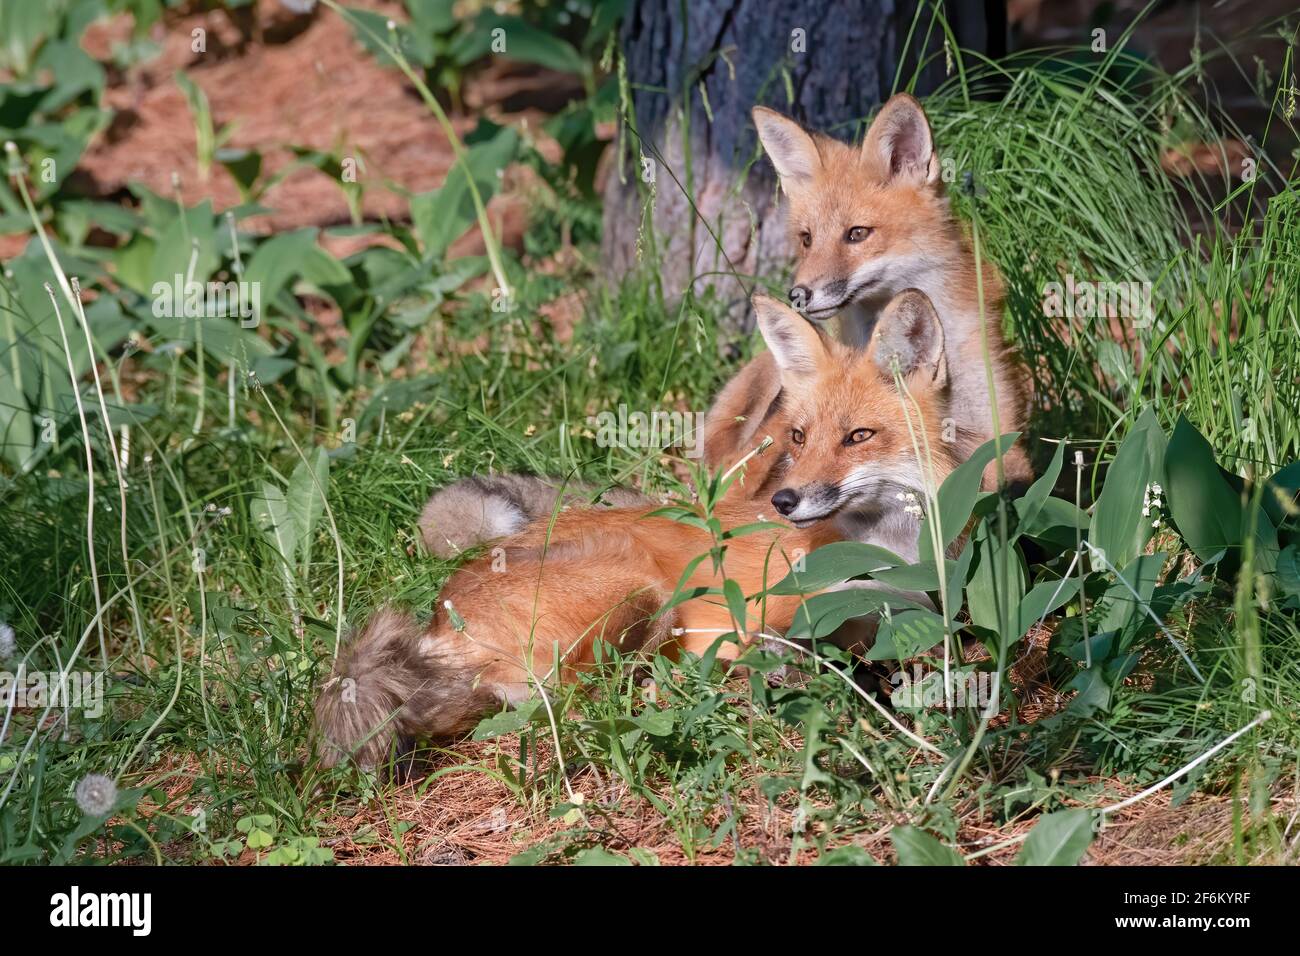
(308, 84)
(469, 817)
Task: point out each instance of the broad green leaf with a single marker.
(509, 721)
(305, 502)
(1118, 605)
(515, 39)
(284, 257)
(270, 513)
(1118, 527)
(657, 723)
(850, 855)
(1044, 598)
(917, 848)
(433, 16)
(997, 581)
(1056, 522)
(834, 563)
(1206, 509)
(821, 614)
(905, 634)
(442, 216)
(1093, 689)
(599, 856)
(735, 603)
(244, 166)
(921, 576)
(371, 31)
(223, 338)
(958, 575)
(1288, 569)
(1031, 502)
(22, 27)
(73, 70)
(1280, 497)
(17, 434)
(1058, 839)
(193, 229)
(133, 263)
(957, 495)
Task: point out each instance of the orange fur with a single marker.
(545, 599)
(890, 187)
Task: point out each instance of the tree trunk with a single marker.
(826, 63)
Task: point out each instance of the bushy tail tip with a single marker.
(395, 682)
(471, 512)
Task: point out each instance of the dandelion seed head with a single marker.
(96, 794)
(8, 645)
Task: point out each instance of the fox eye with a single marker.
(806, 239)
(857, 233)
(796, 435)
(858, 435)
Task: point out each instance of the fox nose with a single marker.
(800, 296)
(786, 500)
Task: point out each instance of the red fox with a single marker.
(847, 450)
(867, 222)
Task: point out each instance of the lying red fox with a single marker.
(845, 454)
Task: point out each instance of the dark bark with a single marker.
(737, 54)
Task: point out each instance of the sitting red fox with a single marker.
(846, 451)
(867, 222)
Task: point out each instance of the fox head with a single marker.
(850, 421)
(868, 221)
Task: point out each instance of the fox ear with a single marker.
(794, 343)
(899, 140)
(909, 333)
(788, 145)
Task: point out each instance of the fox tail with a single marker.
(473, 511)
(395, 681)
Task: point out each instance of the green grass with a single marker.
(213, 718)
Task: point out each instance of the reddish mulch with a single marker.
(308, 84)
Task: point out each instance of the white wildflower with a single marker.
(8, 646)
